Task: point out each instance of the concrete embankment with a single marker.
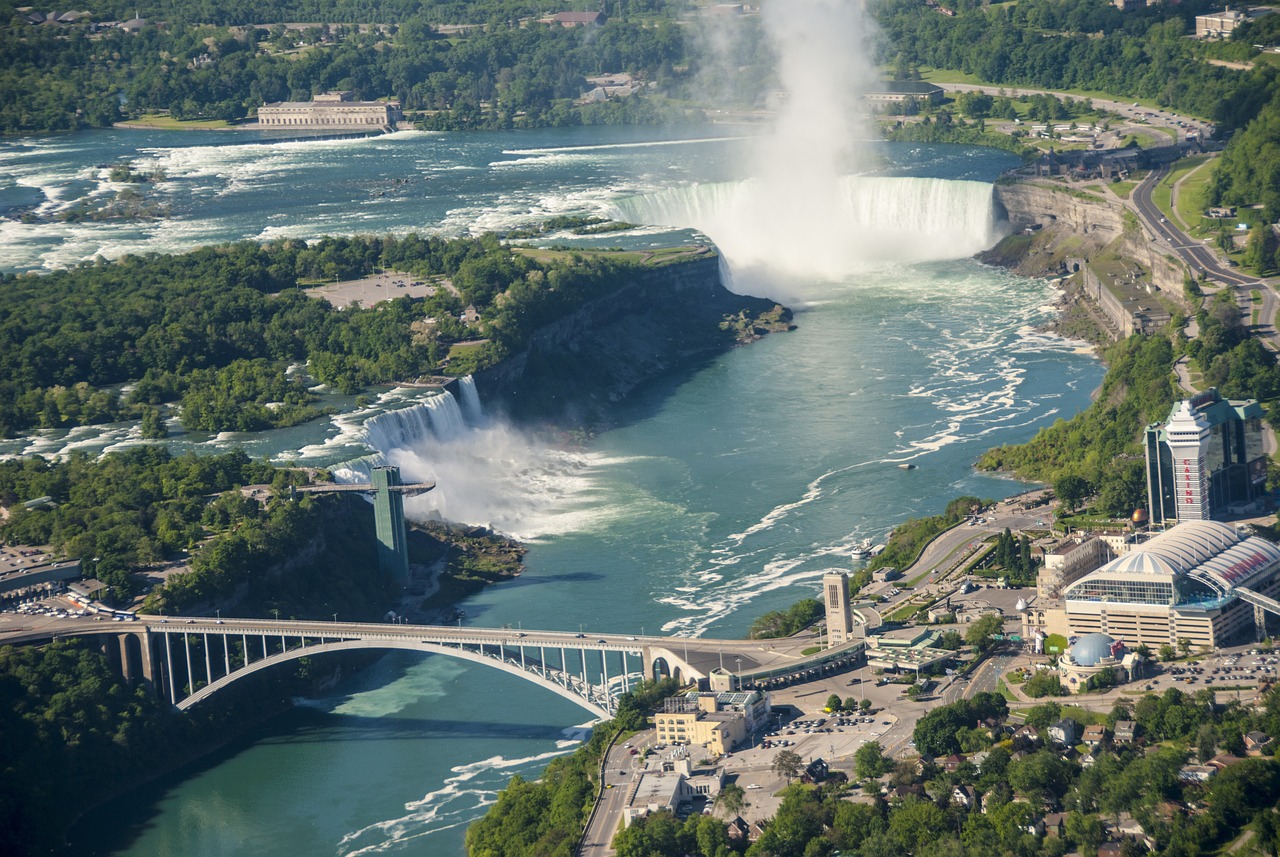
(1129, 282)
(1072, 225)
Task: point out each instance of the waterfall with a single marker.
(829, 228)
(439, 418)
(471, 408)
(486, 471)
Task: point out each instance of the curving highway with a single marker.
(1201, 258)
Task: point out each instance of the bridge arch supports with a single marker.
(559, 681)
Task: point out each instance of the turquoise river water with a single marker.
(721, 495)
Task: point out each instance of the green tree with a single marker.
(981, 634)
(1071, 490)
(732, 798)
(787, 764)
(869, 761)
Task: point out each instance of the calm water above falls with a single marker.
(724, 494)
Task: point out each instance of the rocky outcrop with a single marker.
(1057, 228)
(664, 319)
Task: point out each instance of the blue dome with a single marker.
(1091, 648)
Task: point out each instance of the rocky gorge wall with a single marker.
(664, 319)
(1076, 225)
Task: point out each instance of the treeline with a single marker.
(237, 12)
(784, 623)
(1081, 44)
(217, 327)
(505, 74)
(546, 817)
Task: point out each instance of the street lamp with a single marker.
(335, 618)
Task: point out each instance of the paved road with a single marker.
(1203, 259)
(619, 772)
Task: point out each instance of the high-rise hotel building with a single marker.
(1206, 460)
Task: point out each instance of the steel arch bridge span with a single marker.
(591, 697)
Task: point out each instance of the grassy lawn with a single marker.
(1123, 189)
(946, 75)
(1198, 174)
(168, 123)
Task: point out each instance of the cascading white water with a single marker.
(868, 220)
(439, 417)
(485, 471)
(471, 407)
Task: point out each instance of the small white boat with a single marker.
(907, 466)
(862, 549)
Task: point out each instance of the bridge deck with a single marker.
(365, 488)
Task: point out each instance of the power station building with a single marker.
(1201, 581)
(331, 110)
(1206, 461)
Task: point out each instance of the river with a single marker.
(719, 496)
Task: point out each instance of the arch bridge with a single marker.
(189, 659)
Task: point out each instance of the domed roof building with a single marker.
(1196, 581)
(1092, 648)
(1091, 655)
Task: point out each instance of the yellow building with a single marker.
(717, 722)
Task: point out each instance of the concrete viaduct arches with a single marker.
(404, 645)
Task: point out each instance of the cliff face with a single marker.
(1074, 226)
(663, 319)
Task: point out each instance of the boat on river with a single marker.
(862, 549)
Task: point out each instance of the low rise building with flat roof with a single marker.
(664, 784)
(335, 110)
(899, 91)
(718, 722)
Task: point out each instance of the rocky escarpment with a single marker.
(665, 318)
(1057, 228)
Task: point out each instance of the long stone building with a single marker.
(331, 110)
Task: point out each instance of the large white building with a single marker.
(331, 110)
(1190, 582)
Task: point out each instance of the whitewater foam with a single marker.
(867, 221)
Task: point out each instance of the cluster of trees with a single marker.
(127, 510)
(216, 328)
(70, 728)
(508, 73)
(1082, 45)
(547, 816)
(1011, 558)
(784, 623)
(1229, 357)
(938, 732)
(909, 538)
